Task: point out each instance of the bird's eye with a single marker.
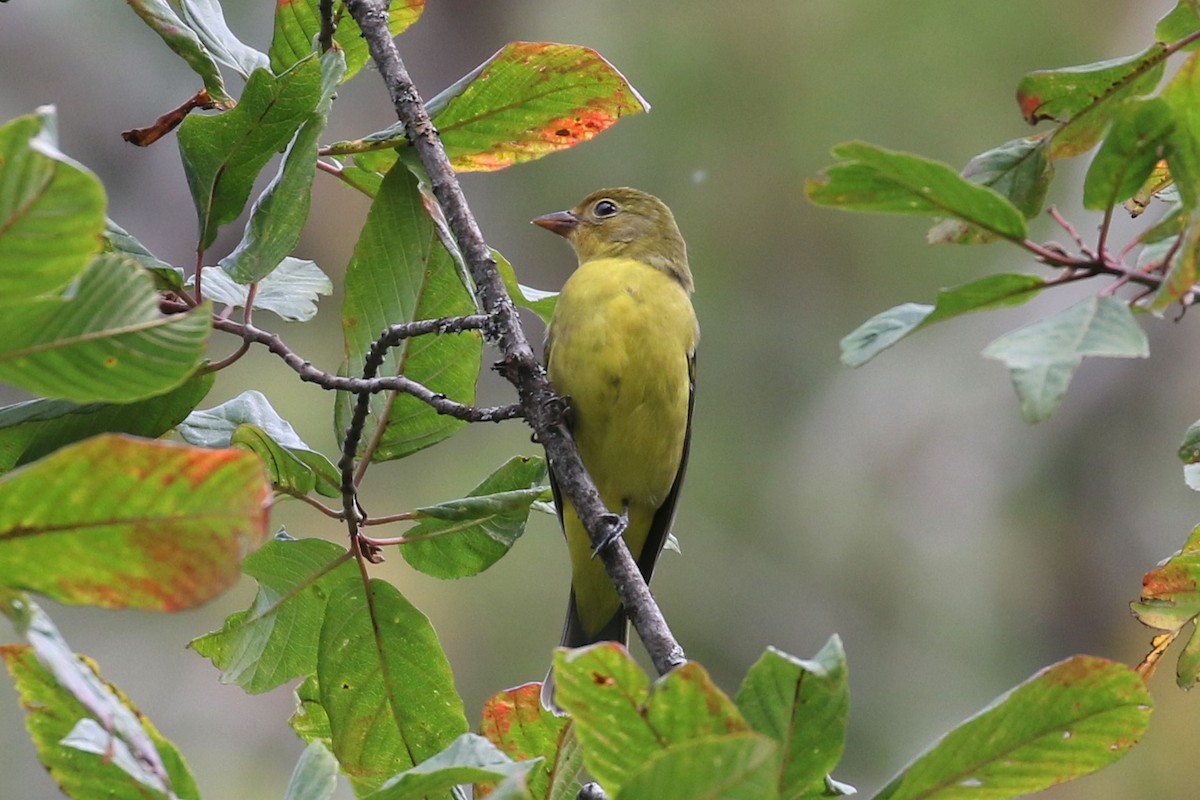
(605, 208)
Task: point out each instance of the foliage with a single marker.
(111, 339)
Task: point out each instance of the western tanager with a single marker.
(621, 346)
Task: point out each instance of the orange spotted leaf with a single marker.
(515, 721)
(122, 522)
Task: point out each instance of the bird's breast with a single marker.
(621, 339)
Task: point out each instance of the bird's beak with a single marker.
(560, 222)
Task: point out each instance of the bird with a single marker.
(621, 348)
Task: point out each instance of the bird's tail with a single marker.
(575, 635)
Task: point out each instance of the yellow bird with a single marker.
(621, 346)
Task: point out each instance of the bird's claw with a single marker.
(614, 526)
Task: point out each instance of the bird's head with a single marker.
(623, 223)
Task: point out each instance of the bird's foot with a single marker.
(614, 526)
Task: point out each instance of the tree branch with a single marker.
(391, 383)
(543, 410)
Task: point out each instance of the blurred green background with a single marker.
(904, 506)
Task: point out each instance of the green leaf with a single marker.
(873, 179)
(888, 327)
(738, 766)
(279, 213)
(104, 341)
(401, 272)
(207, 20)
(275, 639)
(163, 20)
(1182, 94)
(1179, 279)
(217, 427)
(1041, 357)
(468, 759)
(620, 725)
(31, 429)
(297, 23)
(285, 470)
(1066, 721)
(315, 776)
(1159, 185)
(1085, 98)
(881, 332)
(290, 290)
(463, 537)
(384, 683)
(223, 153)
(51, 214)
(1018, 170)
(1187, 668)
(121, 242)
(516, 722)
(88, 734)
(310, 722)
(120, 522)
(1136, 143)
(536, 300)
(1179, 23)
(1189, 449)
(801, 705)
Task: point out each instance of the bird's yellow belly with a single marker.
(623, 361)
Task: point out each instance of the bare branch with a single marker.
(391, 383)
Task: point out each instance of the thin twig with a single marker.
(391, 383)
(544, 411)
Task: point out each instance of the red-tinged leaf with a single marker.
(1171, 591)
(1083, 99)
(121, 522)
(620, 724)
(528, 100)
(84, 758)
(1068, 720)
(1060, 94)
(297, 23)
(87, 732)
(515, 721)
